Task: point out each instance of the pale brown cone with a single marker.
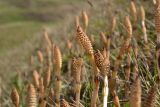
(40, 56)
(113, 26)
(133, 10)
(128, 26)
(99, 59)
(57, 57)
(76, 68)
(15, 97)
(47, 39)
(102, 63)
(31, 100)
(31, 60)
(36, 78)
(84, 40)
(85, 18)
(103, 38)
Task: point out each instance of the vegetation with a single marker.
(106, 54)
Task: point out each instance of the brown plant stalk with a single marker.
(48, 57)
(42, 102)
(115, 99)
(95, 92)
(135, 96)
(127, 70)
(157, 26)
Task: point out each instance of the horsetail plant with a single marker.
(86, 43)
(76, 70)
(42, 102)
(57, 63)
(124, 47)
(103, 65)
(41, 60)
(135, 96)
(113, 24)
(127, 70)
(47, 78)
(143, 24)
(157, 25)
(36, 78)
(31, 99)
(47, 39)
(133, 11)
(15, 97)
(85, 20)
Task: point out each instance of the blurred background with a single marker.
(21, 26)
(21, 19)
(22, 23)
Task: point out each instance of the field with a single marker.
(79, 53)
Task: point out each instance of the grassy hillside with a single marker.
(24, 20)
